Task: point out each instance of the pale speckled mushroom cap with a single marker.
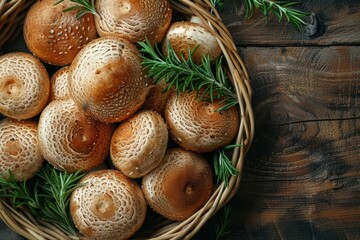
(55, 36)
(180, 185)
(24, 85)
(20, 151)
(108, 205)
(107, 81)
(59, 84)
(199, 126)
(134, 19)
(71, 140)
(190, 35)
(139, 143)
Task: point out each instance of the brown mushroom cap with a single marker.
(180, 185)
(24, 85)
(134, 19)
(197, 125)
(71, 140)
(59, 84)
(189, 35)
(20, 152)
(108, 205)
(56, 36)
(106, 79)
(139, 143)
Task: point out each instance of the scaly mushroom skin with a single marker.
(55, 36)
(71, 140)
(24, 85)
(139, 143)
(59, 84)
(20, 151)
(108, 206)
(133, 19)
(190, 35)
(180, 185)
(106, 79)
(197, 125)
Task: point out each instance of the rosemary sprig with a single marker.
(85, 6)
(223, 166)
(46, 196)
(187, 76)
(218, 4)
(222, 228)
(280, 8)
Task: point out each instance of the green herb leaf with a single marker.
(280, 8)
(222, 229)
(85, 6)
(223, 166)
(46, 196)
(187, 76)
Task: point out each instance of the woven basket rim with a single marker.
(24, 224)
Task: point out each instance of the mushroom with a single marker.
(71, 140)
(134, 20)
(180, 185)
(24, 85)
(107, 205)
(56, 36)
(185, 35)
(20, 152)
(199, 126)
(59, 84)
(158, 97)
(139, 143)
(106, 79)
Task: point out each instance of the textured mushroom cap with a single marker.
(157, 98)
(180, 185)
(56, 36)
(185, 35)
(139, 144)
(20, 152)
(108, 206)
(197, 125)
(24, 85)
(59, 84)
(134, 19)
(71, 140)
(106, 79)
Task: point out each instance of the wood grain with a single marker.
(301, 178)
(331, 22)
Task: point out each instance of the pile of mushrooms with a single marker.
(101, 107)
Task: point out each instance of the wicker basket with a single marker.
(12, 13)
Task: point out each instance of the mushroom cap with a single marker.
(106, 79)
(24, 85)
(108, 205)
(55, 36)
(189, 35)
(71, 140)
(59, 84)
(139, 143)
(180, 185)
(134, 19)
(157, 98)
(197, 125)
(20, 152)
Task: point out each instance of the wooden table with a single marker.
(301, 178)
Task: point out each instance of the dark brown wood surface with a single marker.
(301, 178)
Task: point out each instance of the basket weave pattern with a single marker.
(12, 13)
